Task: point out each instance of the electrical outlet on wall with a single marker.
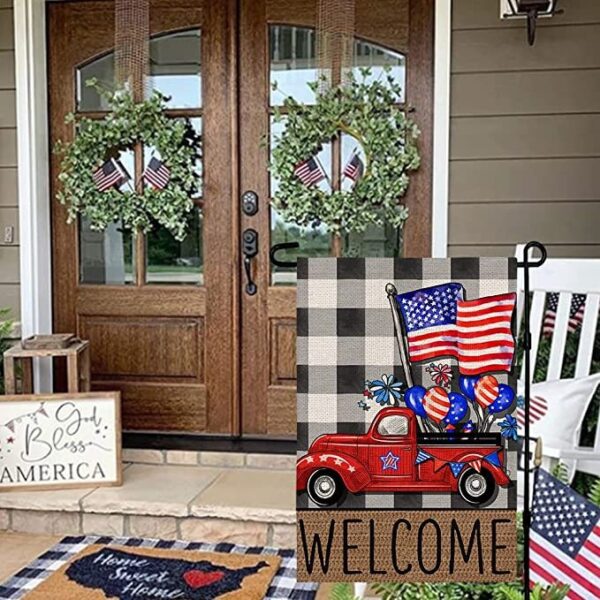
(9, 234)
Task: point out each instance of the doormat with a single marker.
(97, 568)
(406, 435)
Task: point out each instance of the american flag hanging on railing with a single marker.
(107, 175)
(310, 171)
(478, 333)
(576, 312)
(157, 174)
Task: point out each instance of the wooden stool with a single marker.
(77, 354)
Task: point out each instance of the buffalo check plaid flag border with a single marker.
(283, 585)
(346, 335)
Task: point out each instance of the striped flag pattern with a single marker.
(538, 407)
(354, 169)
(439, 322)
(565, 538)
(576, 312)
(484, 331)
(157, 174)
(310, 171)
(107, 175)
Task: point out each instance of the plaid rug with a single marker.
(284, 584)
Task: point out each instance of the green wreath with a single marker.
(370, 112)
(126, 124)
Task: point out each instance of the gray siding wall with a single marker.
(525, 131)
(9, 253)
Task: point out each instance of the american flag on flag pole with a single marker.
(310, 171)
(576, 312)
(439, 322)
(107, 175)
(564, 538)
(354, 169)
(157, 174)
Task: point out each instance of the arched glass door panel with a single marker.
(293, 66)
(110, 257)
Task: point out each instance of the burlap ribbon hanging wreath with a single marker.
(132, 46)
(335, 41)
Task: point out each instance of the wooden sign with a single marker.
(60, 441)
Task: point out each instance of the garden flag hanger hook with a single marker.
(527, 264)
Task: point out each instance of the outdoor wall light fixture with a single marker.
(529, 9)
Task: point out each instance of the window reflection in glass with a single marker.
(103, 70)
(172, 262)
(174, 71)
(107, 257)
(175, 68)
(169, 261)
(376, 58)
(293, 63)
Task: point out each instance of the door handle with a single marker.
(250, 250)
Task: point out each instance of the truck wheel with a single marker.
(325, 487)
(476, 488)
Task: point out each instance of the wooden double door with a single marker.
(171, 324)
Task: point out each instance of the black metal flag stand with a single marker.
(526, 264)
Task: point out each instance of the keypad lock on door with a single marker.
(250, 250)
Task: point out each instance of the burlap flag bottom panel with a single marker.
(406, 391)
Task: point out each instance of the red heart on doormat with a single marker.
(196, 579)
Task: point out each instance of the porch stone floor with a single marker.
(244, 505)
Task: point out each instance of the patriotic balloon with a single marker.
(468, 427)
(436, 404)
(459, 407)
(467, 386)
(413, 397)
(486, 391)
(505, 399)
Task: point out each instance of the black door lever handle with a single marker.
(251, 288)
(250, 250)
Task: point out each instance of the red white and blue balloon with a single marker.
(436, 404)
(486, 391)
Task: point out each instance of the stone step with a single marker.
(251, 506)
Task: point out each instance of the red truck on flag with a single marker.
(394, 457)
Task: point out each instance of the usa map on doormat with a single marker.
(407, 445)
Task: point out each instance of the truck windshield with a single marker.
(393, 425)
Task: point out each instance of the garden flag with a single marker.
(310, 171)
(407, 443)
(565, 538)
(108, 175)
(157, 174)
